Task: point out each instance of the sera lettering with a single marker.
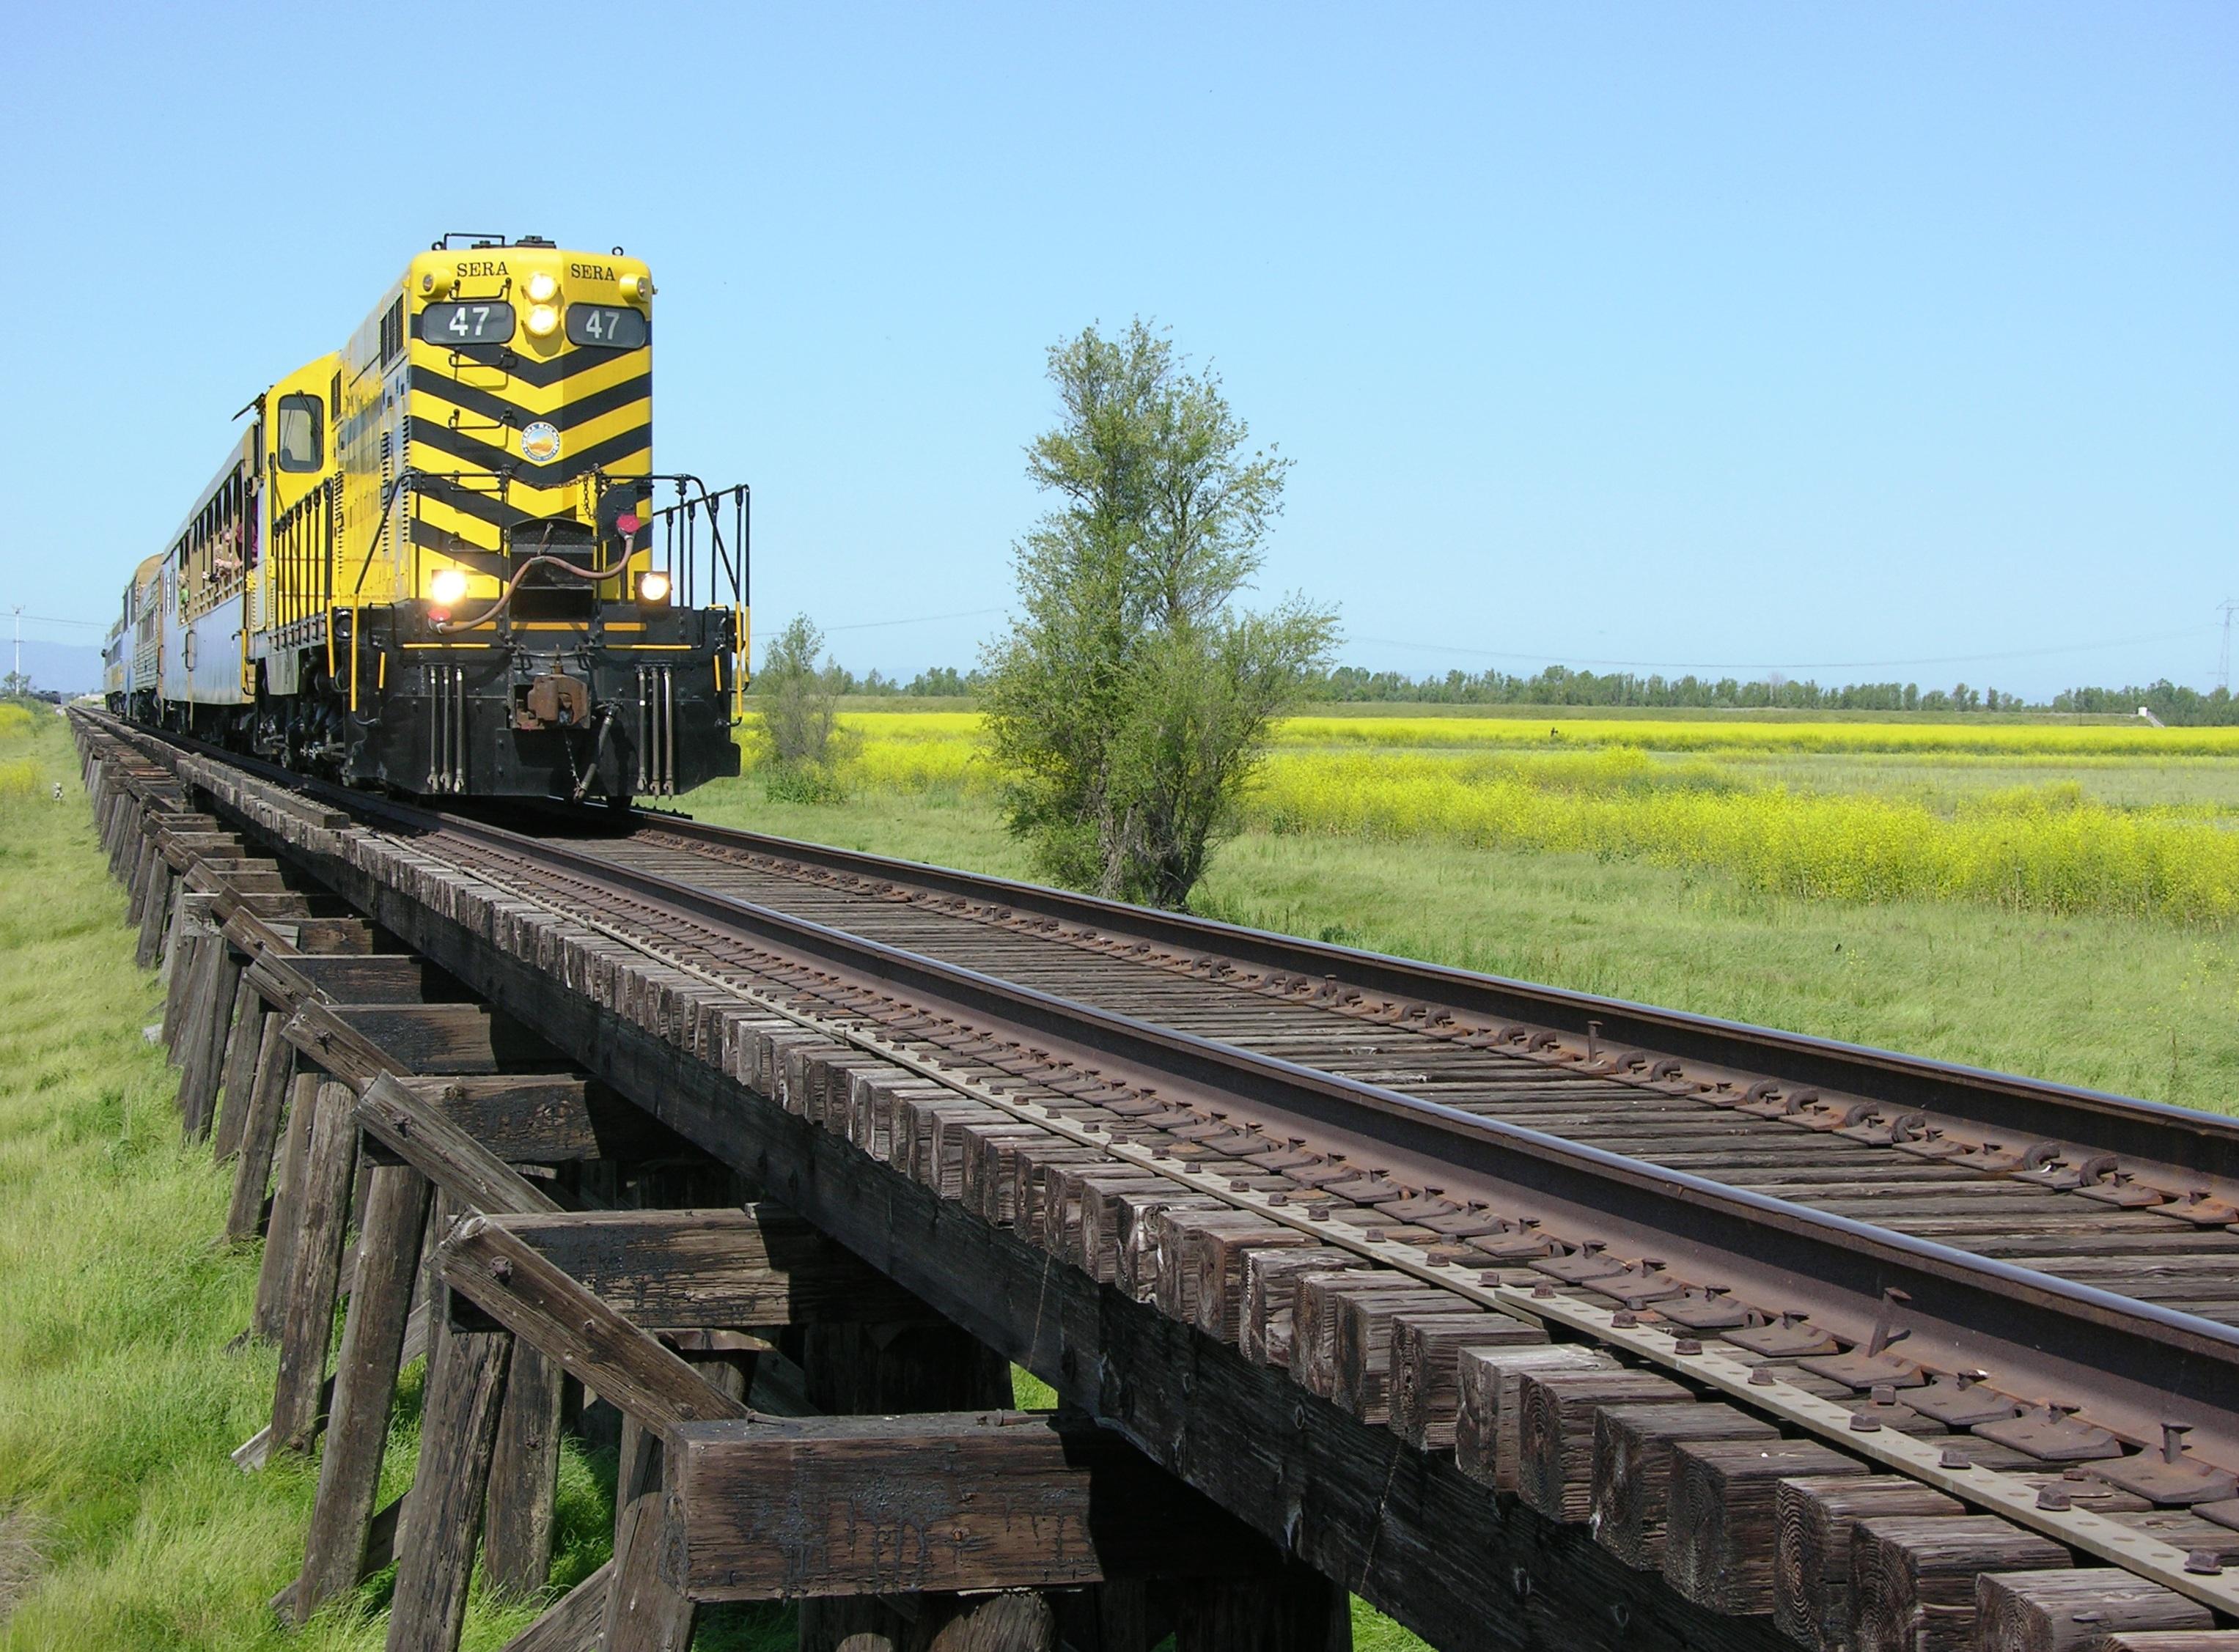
(590, 272)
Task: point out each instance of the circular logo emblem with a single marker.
(539, 443)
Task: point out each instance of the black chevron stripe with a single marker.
(530, 371)
(499, 410)
(501, 461)
(428, 537)
(483, 507)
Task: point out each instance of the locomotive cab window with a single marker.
(613, 326)
(480, 321)
(300, 435)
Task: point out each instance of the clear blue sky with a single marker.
(1810, 337)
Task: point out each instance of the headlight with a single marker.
(435, 283)
(653, 586)
(449, 586)
(637, 288)
(543, 319)
(542, 287)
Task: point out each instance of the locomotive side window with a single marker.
(607, 326)
(300, 434)
(480, 321)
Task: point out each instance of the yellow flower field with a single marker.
(2045, 850)
(1717, 735)
(1685, 794)
(19, 777)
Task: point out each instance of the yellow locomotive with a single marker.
(440, 560)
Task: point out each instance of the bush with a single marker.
(1130, 702)
(802, 783)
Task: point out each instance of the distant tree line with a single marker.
(1560, 686)
(941, 682)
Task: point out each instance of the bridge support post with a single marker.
(856, 1369)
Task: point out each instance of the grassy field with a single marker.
(2063, 820)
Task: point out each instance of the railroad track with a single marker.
(2106, 1190)
(2001, 1289)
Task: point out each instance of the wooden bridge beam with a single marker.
(777, 1509)
(756, 1266)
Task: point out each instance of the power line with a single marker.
(919, 618)
(1792, 665)
(55, 618)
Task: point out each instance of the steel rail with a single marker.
(2203, 1143)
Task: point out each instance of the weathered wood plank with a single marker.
(450, 1037)
(331, 1043)
(365, 1388)
(544, 1118)
(1912, 1578)
(2051, 1611)
(853, 1367)
(1631, 1471)
(1019, 1621)
(783, 1509)
(252, 1026)
(379, 977)
(1323, 1299)
(199, 1080)
(260, 1130)
(277, 1269)
(189, 935)
(1425, 1390)
(326, 936)
(1555, 1430)
(156, 912)
(1720, 1530)
(724, 1269)
(136, 882)
(251, 1454)
(424, 1137)
(522, 1289)
(316, 1269)
(1271, 1297)
(1367, 1346)
(524, 1476)
(1811, 1564)
(649, 1606)
(1202, 1266)
(466, 1390)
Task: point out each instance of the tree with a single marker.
(1129, 702)
(797, 714)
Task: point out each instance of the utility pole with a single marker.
(19, 638)
(2222, 661)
